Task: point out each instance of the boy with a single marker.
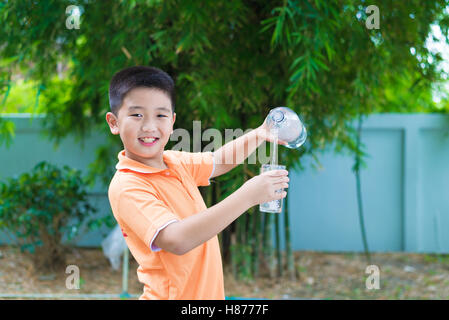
(154, 194)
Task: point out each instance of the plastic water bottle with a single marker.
(287, 126)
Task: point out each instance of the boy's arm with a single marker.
(236, 151)
(182, 236)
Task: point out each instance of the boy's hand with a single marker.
(262, 188)
(263, 132)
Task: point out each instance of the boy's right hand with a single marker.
(262, 188)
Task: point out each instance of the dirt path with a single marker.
(321, 276)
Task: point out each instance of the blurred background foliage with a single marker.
(39, 208)
(232, 61)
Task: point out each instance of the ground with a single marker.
(321, 276)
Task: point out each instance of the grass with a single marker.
(437, 258)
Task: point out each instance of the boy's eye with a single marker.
(140, 115)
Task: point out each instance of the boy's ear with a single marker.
(174, 119)
(112, 122)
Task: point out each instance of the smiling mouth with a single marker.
(148, 141)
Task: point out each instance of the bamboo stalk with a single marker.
(268, 243)
(251, 241)
(272, 257)
(257, 235)
(288, 243)
(249, 230)
(278, 245)
(209, 196)
(241, 260)
(359, 189)
(224, 235)
(249, 173)
(233, 255)
(240, 248)
(264, 239)
(245, 248)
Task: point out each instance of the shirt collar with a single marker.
(133, 165)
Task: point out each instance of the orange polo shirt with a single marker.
(144, 200)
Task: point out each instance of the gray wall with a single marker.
(405, 189)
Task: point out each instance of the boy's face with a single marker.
(144, 122)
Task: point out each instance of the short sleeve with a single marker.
(144, 214)
(201, 165)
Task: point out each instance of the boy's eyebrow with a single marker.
(158, 108)
(135, 107)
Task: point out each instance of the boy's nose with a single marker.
(148, 127)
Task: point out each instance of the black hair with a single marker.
(139, 76)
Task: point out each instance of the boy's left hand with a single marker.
(263, 132)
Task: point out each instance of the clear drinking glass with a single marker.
(274, 206)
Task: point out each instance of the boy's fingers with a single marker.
(276, 173)
(280, 195)
(281, 172)
(281, 185)
(284, 143)
(281, 179)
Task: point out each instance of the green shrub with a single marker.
(40, 208)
